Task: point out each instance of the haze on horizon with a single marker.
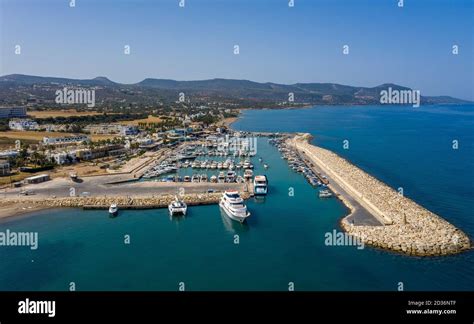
(410, 46)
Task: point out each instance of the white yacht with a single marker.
(234, 207)
(230, 176)
(260, 185)
(221, 176)
(325, 194)
(113, 210)
(177, 207)
(248, 174)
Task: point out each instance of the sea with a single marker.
(428, 152)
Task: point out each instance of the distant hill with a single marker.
(311, 93)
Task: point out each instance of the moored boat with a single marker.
(325, 193)
(113, 210)
(260, 185)
(233, 206)
(177, 207)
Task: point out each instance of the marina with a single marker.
(272, 216)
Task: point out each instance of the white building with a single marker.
(105, 129)
(23, 124)
(76, 139)
(63, 157)
(13, 112)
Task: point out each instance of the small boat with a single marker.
(248, 174)
(233, 206)
(195, 178)
(213, 179)
(113, 210)
(230, 177)
(203, 177)
(221, 176)
(265, 166)
(260, 185)
(219, 165)
(325, 194)
(260, 160)
(187, 179)
(177, 207)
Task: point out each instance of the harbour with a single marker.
(292, 209)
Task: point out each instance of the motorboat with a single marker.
(325, 193)
(213, 179)
(233, 206)
(113, 210)
(177, 207)
(248, 174)
(230, 176)
(221, 176)
(260, 185)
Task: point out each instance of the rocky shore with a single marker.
(408, 227)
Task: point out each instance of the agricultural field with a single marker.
(149, 119)
(61, 113)
(35, 136)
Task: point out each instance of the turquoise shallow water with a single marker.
(284, 239)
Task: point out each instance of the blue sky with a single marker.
(409, 46)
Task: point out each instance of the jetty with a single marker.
(403, 225)
(125, 202)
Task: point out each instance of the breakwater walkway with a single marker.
(407, 227)
(126, 202)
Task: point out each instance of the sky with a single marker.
(410, 45)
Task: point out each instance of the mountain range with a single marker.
(310, 93)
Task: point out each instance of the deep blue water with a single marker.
(284, 239)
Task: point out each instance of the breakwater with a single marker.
(407, 227)
(124, 202)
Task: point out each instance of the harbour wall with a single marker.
(407, 227)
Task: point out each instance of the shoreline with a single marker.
(408, 228)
